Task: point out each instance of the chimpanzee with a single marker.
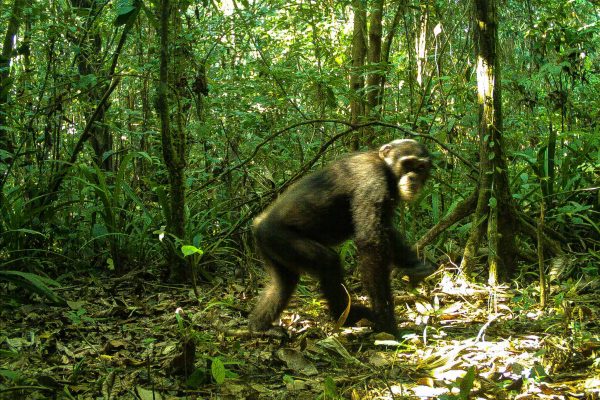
(353, 197)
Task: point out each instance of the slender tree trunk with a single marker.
(173, 148)
(367, 100)
(89, 62)
(375, 76)
(540, 254)
(359, 52)
(494, 205)
(410, 76)
(421, 43)
(387, 44)
(374, 58)
(8, 51)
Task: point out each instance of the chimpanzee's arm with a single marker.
(373, 241)
(407, 261)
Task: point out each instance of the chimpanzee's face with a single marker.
(409, 161)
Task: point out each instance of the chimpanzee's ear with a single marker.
(384, 150)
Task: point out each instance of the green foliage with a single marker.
(330, 391)
(188, 250)
(127, 11)
(11, 376)
(35, 283)
(218, 372)
(464, 384)
(217, 369)
(252, 76)
(79, 317)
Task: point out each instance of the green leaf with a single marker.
(217, 370)
(8, 354)
(288, 379)
(197, 379)
(110, 264)
(466, 383)
(127, 11)
(99, 230)
(35, 283)
(9, 374)
(188, 250)
(538, 372)
(330, 391)
(124, 7)
(524, 177)
(147, 394)
(4, 155)
(24, 230)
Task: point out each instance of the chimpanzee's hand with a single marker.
(418, 272)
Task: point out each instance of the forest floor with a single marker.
(133, 338)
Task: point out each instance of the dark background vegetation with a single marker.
(133, 132)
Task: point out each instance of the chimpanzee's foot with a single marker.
(358, 312)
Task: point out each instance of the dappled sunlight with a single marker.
(485, 80)
(298, 199)
(456, 284)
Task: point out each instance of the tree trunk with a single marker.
(173, 147)
(494, 205)
(6, 143)
(375, 76)
(387, 45)
(410, 76)
(357, 81)
(374, 59)
(89, 62)
(421, 44)
(366, 100)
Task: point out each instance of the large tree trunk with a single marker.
(494, 204)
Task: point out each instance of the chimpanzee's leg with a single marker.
(375, 274)
(287, 254)
(275, 296)
(331, 280)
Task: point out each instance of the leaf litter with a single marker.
(141, 339)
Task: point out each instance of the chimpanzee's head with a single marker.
(410, 163)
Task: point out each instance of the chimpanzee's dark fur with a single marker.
(352, 197)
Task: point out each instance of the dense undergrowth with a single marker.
(260, 95)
